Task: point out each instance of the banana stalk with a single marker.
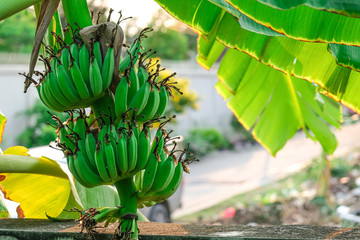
(127, 193)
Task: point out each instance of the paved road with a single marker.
(224, 174)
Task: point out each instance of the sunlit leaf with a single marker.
(2, 125)
(347, 56)
(38, 184)
(200, 14)
(349, 8)
(252, 26)
(227, 7)
(214, 50)
(264, 95)
(303, 23)
(38, 195)
(310, 61)
(258, 102)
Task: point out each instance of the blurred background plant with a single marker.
(17, 32)
(207, 140)
(171, 39)
(38, 132)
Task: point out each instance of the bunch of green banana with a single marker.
(163, 173)
(76, 77)
(141, 90)
(112, 144)
(106, 155)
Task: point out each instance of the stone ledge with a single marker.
(21, 229)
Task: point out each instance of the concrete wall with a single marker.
(13, 100)
(212, 110)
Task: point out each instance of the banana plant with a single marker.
(300, 52)
(314, 41)
(111, 144)
(279, 74)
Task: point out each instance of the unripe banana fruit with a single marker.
(79, 74)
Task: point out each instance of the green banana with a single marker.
(108, 67)
(134, 84)
(142, 75)
(74, 51)
(96, 83)
(73, 170)
(84, 64)
(151, 106)
(80, 128)
(54, 64)
(110, 158)
(150, 171)
(132, 147)
(143, 150)
(121, 92)
(82, 147)
(122, 154)
(97, 54)
(56, 91)
(64, 138)
(79, 81)
(163, 175)
(84, 171)
(40, 91)
(172, 186)
(136, 132)
(141, 97)
(90, 146)
(66, 85)
(100, 162)
(55, 104)
(164, 99)
(65, 57)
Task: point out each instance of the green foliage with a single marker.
(38, 132)
(170, 39)
(169, 44)
(206, 140)
(340, 167)
(17, 32)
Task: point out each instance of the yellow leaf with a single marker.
(2, 125)
(38, 194)
(17, 150)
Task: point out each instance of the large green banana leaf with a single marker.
(349, 8)
(258, 92)
(285, 54)
(346, 56)
(303, 23)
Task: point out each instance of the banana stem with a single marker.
(127, 193)
(76, 11)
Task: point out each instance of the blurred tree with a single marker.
(171, 39)
(17, 32)
(38, 132)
